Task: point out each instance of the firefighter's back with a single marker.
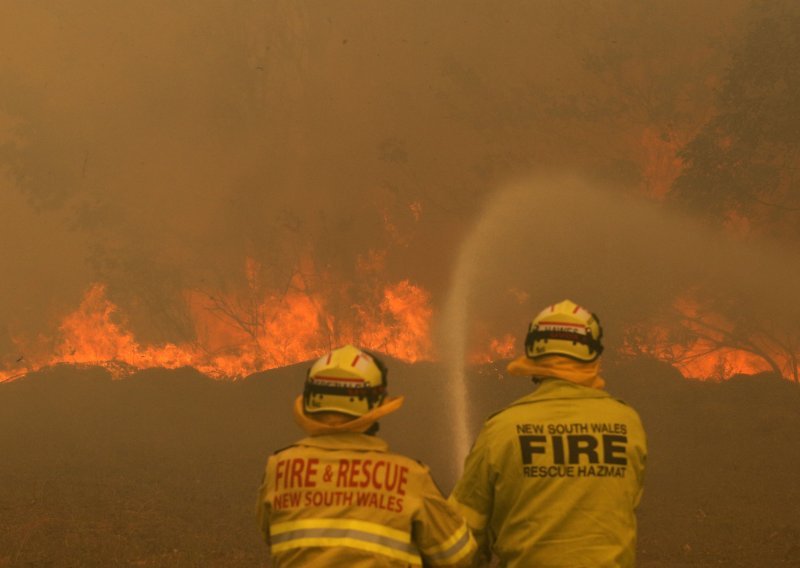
(344, 500)
(570, 476)
(339, 497)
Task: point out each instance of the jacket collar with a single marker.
(345, 441)
(553, 389)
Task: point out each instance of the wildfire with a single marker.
(696, 340)
(704, 345)
(697, 358)
(233, 337)
(281, 329)
(258, 328)
(91, 334)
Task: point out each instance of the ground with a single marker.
(162, 469)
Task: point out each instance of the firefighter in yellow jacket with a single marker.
(339, 497)
(553, 480)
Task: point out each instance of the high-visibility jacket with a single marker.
(553, 480)
(344, 500)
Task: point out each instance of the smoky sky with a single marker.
(156, 145)
(549, 238)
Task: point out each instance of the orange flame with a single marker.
(497, 348)
(698, 359)
(90, 334)
(703, 345)
(234, 337)
(237, 335)
(700, 344)
(403, 330)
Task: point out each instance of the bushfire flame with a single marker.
(279, 331)
(237, 334)
(703, 345)
(293, 327)
(497, 348)
(698, 358)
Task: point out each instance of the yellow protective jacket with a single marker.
(553, 480)
(344, 500)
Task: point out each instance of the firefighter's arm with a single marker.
(639, 470)
(440, 533)
(263, 507)
(473, 495)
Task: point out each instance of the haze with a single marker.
(493, 156)
(154, 146)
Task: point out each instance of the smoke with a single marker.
(555, 237)
(159, 146)
(43, 267)
(551, 238)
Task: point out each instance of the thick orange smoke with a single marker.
(237, 334)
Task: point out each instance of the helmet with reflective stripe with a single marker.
(346, 380)
(565, 329)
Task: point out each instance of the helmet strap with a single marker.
(534, 335)
(373, 395)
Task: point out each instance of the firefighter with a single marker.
(553, 480)
(339, 497)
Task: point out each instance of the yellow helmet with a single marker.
(565, 329)
(347, 380)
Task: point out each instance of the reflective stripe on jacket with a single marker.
(553, 480)
(344, 500)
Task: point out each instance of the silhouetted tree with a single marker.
(741, 171)
(744, 162)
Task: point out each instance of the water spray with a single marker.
(456, 318)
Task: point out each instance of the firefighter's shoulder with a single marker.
(412, 463)
(526, 401)
(504, 412)
(626, 407)
(417, 467)
(622, 402)
(281, 450)
(630, 411)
